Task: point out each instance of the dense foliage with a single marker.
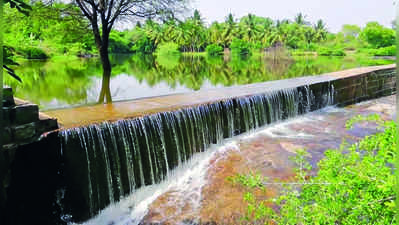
(378, 36)
(55, 29)
(240, 47)
(167, 48)
(214, 50)
(353, 185)
(60, 28)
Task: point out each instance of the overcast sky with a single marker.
(335, 13)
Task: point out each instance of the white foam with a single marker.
(186, 179)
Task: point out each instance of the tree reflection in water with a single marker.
(67, 82)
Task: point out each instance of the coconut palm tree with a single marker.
(301, 19)
(215, 33)
(248, 28)
(230, 27)
(320, 30)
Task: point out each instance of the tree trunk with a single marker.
(105, 93)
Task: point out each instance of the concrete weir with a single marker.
(103, 153)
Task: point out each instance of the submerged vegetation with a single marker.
(353, 185)
(60, 29)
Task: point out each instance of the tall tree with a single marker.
(301, 19)
(103, 14)
(229, 30)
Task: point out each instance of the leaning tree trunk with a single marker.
(105, 93)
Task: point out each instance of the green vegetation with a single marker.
(332, 51)
(214, 50)
(168, 48)
(60, 29)
(34, 53)
(240, 47)
(353, 185)
(7, 51)
(57, 29)
(378, 36)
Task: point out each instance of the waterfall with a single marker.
(106, 161)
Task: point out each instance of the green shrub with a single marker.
(168, 48)
(302, 45)
(76, 49)
(240, 47)
(330, 51)
(386, 51)
(118, 43)
(353, 185)
(34, 53)
(214, 50)
(377, 35)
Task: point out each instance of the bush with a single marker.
(214, 50)
(330, 51)
(77, 49)
(118, 43)
(34, 53)
(386, 51)
(303, 45)
(168, 48)
(354, 185)
(240, 47)
(377, 35)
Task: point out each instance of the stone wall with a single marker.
(23, 122)
(353, 89)
(23, 126)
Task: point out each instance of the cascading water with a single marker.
(104, 162)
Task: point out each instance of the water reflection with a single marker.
(105, 92)
(65, 82)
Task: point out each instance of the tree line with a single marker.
(60, 29)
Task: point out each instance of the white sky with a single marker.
(334, 13)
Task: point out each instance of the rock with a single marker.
(24, 132)
(26, 113)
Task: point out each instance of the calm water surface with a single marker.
(66, 82)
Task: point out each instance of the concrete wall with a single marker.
(365, 86)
